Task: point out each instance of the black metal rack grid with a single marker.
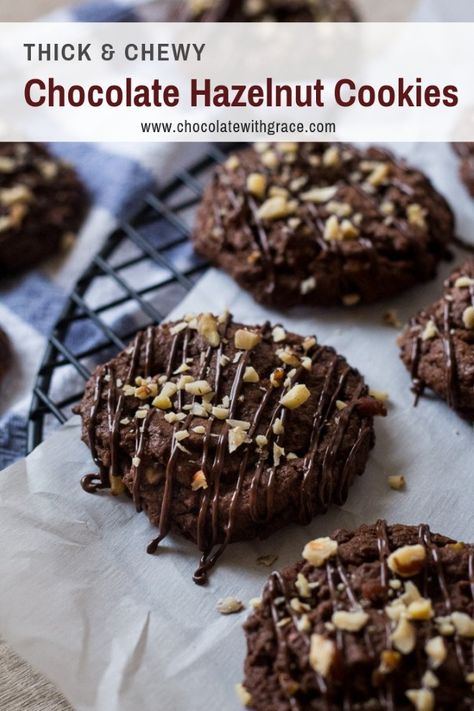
(146, 267)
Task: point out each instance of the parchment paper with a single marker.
(118, 630)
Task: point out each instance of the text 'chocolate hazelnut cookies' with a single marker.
(437, 346)
(466, 164)
(264, 11)
(225, 432)
(380, 618)
(42, 205)
(322, 224)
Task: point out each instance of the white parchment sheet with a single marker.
(119, 630)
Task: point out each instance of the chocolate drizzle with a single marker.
(334, 583)
(323, 478)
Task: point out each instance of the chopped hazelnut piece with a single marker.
(396, 482)
(251, 375)
(350, 621)
(181, 434)
(255, 602)
(390, 318)
(322, 654)
(468, 317)
(269, 159)
(341, 209)
(162, 402)
(308, 285)
(276, 207)
(229, 605)
(445, 626)
(379, 174)
(207, 327)
(331, 157)
(278, 334)
(277, 377)
(278, 453)
(243, 695)
(232, 163)
(319, 550)
(389, 661)
(257, 185)
(463, 281)
(178, 327)
(278, 427)
(246, 340)
(308, 343)
(199, 481)
(287, 357)
(422, 699)
(387, 208)
(220, 413)
(237, 436)
(407, 560)
(430, 331)
(340, 405)
(420, 609)
(436, 650)
(198, 387)
(302, 585)
(379, 395)
(416, 215)
(348, 230)
(261, 441)
(319, 195)
(136, 461)
(295, 397)
(404, 636)
(17, 193)
(411, 593)
(463, 623)
(350, 299)
(430, 680)
(303, 624)
(332, 229)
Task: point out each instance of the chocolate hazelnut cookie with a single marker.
(322, 224)
(225, 432)
(264, 11)
(376, 618)
(437, 346)
(466, 164)
(42, 204)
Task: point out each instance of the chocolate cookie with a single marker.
(264, 11)
(377, 618)
(466, 165)
(437, 346)
(322, 224)
(42, 204)
(224, 432)
(5, 353)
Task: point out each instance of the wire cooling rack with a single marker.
(144, 270)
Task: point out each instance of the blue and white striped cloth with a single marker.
(117, 176)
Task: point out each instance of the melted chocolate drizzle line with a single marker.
(215, 470)
(425, 539)
(450, 355)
